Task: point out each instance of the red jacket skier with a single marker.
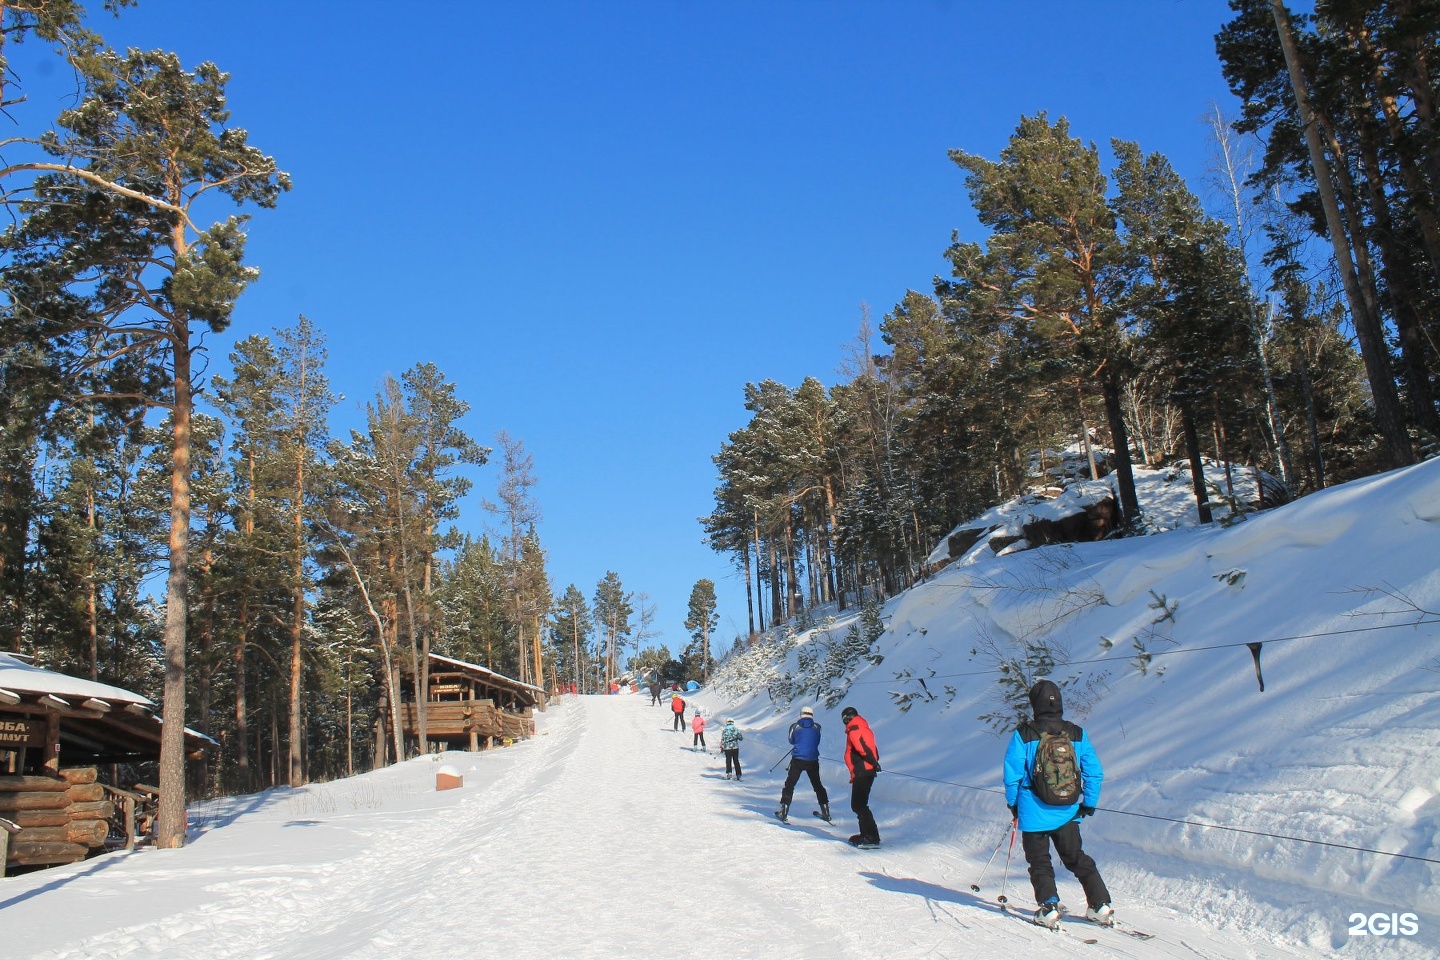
(677, 704)
(863, 759)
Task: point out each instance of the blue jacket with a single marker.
(1036, 816)
(805, 739)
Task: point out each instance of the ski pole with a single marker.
(782, 759)
(1006, 878)
(976, 885)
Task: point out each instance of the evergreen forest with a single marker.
(1281, 315)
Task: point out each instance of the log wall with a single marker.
(61, 819)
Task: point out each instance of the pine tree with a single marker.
(519, 511)
(611, 610)
(1057, 261)
(701, 620)
(114, 225)
(1187, 288)
(570, 625)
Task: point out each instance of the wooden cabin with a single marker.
(58, 735)
(471, 707)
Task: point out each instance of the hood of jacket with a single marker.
(1045, 701)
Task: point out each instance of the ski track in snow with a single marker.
(605, 837)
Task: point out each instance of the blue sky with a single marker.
(601, 220)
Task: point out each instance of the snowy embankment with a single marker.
(1341, 590)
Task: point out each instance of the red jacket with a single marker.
(861, 754)
(677, 704)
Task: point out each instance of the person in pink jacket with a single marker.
(698, 725)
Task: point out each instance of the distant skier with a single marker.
(863, 759)
(698, 725)
(730, 737)
(654, 693)
(1048, 796)
(804, 758)
(677, 704)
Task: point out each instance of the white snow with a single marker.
(606, 836)
(19, 676)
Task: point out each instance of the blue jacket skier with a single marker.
(804, 758)
(1045, 823)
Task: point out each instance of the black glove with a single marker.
(1014, 812)
(1087, 811)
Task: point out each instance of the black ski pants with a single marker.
(860, 804)
(732, 757)
(1076, 860)
(699, 740)
(680, 720)
(792, 777)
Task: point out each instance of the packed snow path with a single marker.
(606, 836)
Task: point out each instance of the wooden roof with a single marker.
(484, 677)
(98, 723)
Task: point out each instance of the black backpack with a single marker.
(1055, 776)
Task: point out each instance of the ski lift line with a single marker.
(1276, 836)
(1151, 654)
(1188, 823)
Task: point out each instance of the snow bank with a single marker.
(1150, 638)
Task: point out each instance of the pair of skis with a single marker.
(1010, 910)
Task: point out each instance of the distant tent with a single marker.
(691, 686)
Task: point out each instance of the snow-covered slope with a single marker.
(1343, 593)
(604, 837)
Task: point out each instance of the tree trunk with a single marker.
(759, 573)
(1084, 440)
(207, 646)
(1401, 282)
(1197, 462)
(832, 528)
(92, 604)
(1413, 69)
(1124, 475)
(1222, 449)
(776, 614)
(749, 590)
(170, 822)
(242, 719)
(297, 585)
(1307, 389)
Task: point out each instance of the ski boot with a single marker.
(783, 813)
(1049, 914)
(1104, 915)
(825, 811)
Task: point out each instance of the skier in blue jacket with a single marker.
(1044, 823)
(804, 758)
